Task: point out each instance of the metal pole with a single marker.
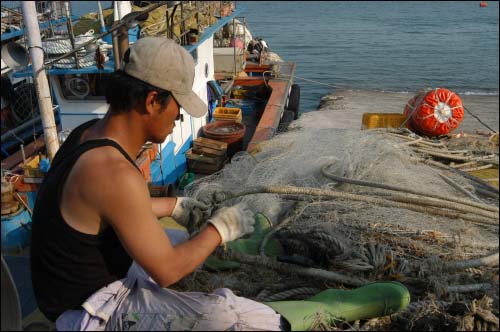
(123, 42)
(54, 10)
(70, 31)
(40, 77)
(50, 15)
(181, 26)
(116, 47)
(234, 46)
(101, 17)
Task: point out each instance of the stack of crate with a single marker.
(207, 156)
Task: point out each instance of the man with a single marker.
(99, 257)
(94, 215)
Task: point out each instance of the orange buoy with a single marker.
(483, 4)
(434, 113)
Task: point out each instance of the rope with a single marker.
(421, 304)
(407, 190)
(308, 191)
(478, 119)
(335, 245)
(312, 81)
(424, 142)
(303, 292)
(459, 188)
(294, 269)
(414, 107)
(85, 61)
(262, 295)
(468, 288)
(486, 185)
(490, 260)
(299, 209)
(443, 155)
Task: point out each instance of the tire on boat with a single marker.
(288, 117)
(294, 100)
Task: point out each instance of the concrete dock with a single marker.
(349, 107)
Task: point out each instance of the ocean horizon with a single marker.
(385, 46)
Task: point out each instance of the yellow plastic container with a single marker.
(489, 175)
(382, 120)
(228, 114)
(239, 93)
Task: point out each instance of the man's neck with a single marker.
(123, 129)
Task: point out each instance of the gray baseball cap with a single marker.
(163, 63)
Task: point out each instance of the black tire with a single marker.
(294, 100)
(287, 118)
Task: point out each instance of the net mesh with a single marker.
(357, 238)
(296, 158)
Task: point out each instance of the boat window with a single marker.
(84, 86)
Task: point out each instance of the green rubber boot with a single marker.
(334, 305)
(249, 246)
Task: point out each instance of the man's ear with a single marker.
(150, 103)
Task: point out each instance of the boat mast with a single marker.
(40, 77)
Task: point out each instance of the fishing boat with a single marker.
(226, 77)
(21, 123)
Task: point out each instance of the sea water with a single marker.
(383, 45)
(377, 45)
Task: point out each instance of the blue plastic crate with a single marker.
(247, 106)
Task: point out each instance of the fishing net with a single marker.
(350, 228)
(295, 158)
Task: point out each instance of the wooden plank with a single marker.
(203, 168)
(209, 152)
(270, 119)
(249, 81)
(210, 143)
(203, 159)
(256, 68)
(15, 159)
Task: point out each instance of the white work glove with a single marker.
(190, 213)
(233, 222)
(212, 195)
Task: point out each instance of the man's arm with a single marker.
(163, 206)
(123, 202)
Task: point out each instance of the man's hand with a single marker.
(213, 196)
(190, 213)
(233, 222)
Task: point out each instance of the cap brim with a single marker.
(192, 104)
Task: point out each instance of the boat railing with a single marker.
(201, 12)
(50, 17)
(11, 17)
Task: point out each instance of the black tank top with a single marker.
(68, 266)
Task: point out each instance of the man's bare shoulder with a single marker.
(105, 173)
(104, 162)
